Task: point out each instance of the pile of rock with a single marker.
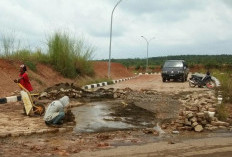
(60, 90)
(122, 93)
(199, 113)
(72, 91)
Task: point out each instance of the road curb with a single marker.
(106, 83)
(10, 99)
(155, 73)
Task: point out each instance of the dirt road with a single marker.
(154, 82)
(207, 147)
(133, 141)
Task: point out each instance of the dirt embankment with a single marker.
(118, 71)
(46, 76)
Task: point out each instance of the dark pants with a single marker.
(57, 119)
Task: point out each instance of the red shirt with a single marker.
(25, 82)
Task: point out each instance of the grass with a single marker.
(70, 56)
(225, 78)
(61, 54)
(224, 75)
(222, 112)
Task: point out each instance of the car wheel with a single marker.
(182, 79)
(164, 79)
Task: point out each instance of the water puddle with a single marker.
(96, 117)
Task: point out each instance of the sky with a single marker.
(175, 27)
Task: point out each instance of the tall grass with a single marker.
(61, 51)
(225, 78)
(69, 55)
(8, 44)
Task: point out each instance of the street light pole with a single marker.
(147, 50)
(111, 37)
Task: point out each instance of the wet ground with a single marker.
(95, 117)
(110, 116)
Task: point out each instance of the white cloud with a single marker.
(180, 26)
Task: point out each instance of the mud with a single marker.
(164, 106)
(131, 114)
(69, 116)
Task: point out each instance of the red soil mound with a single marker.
(117, 70)
(45, 77)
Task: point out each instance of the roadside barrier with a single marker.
(105, 83)
(10, 99)
(155, 73)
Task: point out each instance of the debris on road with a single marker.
(199, 113)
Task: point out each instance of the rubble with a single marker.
(150, 131)
(75, 92)
(196, 114)
(199, 113)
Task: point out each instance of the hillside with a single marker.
(117, 70)
(46, 76)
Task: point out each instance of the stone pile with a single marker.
(122, 93)
(199, 113)
(60, 90)
(72, 91)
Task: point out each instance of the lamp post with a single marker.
(147, 49)
(111, 37)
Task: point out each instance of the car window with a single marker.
(173, 64)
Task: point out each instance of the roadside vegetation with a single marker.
(68, 55)
(225, 77)
(211, 61)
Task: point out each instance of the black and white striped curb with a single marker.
(155, 73)
(10, 99)
(105, 83)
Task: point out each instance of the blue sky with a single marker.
(179, 26)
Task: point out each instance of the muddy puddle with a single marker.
(110, 116)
